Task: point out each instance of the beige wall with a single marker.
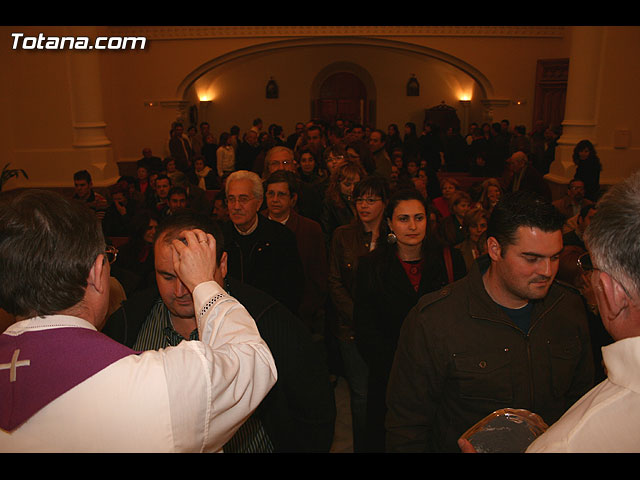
(38, 93)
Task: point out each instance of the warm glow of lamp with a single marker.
(465, 97)
(206, 94)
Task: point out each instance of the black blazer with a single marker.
(379, 312)
(267, 259)
(383, 298)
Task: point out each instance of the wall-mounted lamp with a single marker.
(465, 103)
(519, 102)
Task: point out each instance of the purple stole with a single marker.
(37, 367)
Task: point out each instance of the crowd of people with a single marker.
(363, 253)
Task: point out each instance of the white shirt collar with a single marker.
(283, 222)
(622, 359)
(46, 323)
(251, 229)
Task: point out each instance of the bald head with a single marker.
(517, 161)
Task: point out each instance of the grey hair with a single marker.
(276, 149)
(256, 183)
(613, 236)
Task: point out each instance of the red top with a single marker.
(413, 269)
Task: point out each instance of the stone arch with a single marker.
(483, 82)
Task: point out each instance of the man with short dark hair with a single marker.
(196, 197)
(315, 139)
(505, 336)
(197, 141)
(149, 160)
(282, 189)
(66, 387)
(177, 200)
(180, 148)
(293, 138)
(159, 200)
(84, 192)
(575, 237)
(574, 200)
(357, 132)
(118, 218)
(309, 196)
(256, 125)
(377, 142)
(247, 151)
(298, 414)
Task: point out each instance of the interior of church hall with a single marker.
(67, 109)
(94, 97)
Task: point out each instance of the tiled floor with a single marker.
(343, 437)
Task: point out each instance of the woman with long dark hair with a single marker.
(310, 166)
(136, 256)
(588, 168)
(338, 207)
(405, 265)
(393, 138)
(349, 243)
(410, 143)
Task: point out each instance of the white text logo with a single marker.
(76, 43)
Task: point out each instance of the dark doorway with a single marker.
(551, 91)
(342, 95)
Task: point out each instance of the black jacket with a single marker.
(268, 259)
(383, 298)
(299, 412)
(460, 357)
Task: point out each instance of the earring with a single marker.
(391, 238)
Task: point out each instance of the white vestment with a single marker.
(607, 418)
(189, 398)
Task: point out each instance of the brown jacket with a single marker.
(349, 242)
(460, 357)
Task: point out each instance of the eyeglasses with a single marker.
(272, 194)
(585, 263)
(111, 253)
(368, 201)
(586, 266)
(242, 199)
(275, 163)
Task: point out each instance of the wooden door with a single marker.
(551, 91)
(342, 95)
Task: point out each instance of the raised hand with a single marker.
(194, 257)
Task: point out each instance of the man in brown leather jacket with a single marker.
(506, 336)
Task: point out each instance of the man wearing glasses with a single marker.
(262, 252)
(282, 189)
(607, 419)
(66, 387)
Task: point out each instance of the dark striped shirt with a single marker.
(157, 332)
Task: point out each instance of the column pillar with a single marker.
(89, 140)
(582, 100)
